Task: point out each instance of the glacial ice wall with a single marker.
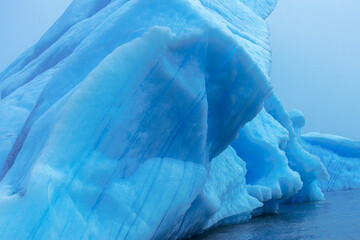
(111, 120)
(117, 124)
(340, 156)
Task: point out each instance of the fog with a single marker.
(316, 54)
(316, 62)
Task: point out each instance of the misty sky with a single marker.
(316, 54)
(316, 62)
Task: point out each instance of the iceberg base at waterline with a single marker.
(149, 120)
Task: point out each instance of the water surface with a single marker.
(338, 218)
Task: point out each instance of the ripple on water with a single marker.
(338, 218)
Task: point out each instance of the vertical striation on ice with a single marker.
(127, 104)
(117, 124)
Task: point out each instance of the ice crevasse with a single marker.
(154, 119)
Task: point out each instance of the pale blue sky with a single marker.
(316, 62)
(316, 54)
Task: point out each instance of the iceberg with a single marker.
(275, 158)
(155, 119)
(340, 155)
(260, 144)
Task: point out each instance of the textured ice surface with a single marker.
(276, 161)
(341, 157)
(261, 8)
(122, 107)
(117, 124)
(309, 166)
(224, 199)
(261, 144)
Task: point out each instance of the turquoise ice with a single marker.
(148, 120)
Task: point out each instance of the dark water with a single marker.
(338, 217)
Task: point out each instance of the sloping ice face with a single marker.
(341, 156)
(117, 124)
